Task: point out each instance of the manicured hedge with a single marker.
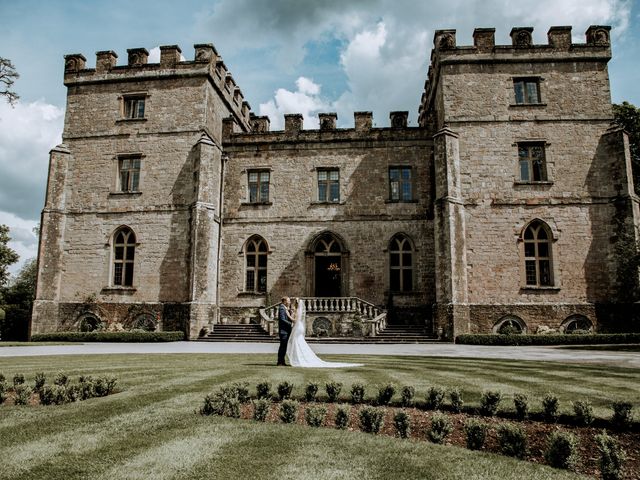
(108, 337)
(575, 339)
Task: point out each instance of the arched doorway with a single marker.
(327, 266)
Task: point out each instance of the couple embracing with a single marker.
(291, 330)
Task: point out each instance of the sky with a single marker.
(288, 56)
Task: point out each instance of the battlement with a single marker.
(522, 50)
(207, 62)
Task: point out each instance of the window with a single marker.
(133, 107)
(527, 90)
(400, 184)
(129, 174)
(124, 246)
(329, 185)
(400, 264)
(256, 265)
(510, 325)
(537, 255)
(532, 162)
(258, 186)
(576, 324)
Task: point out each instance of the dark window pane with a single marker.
(322, 175)
(519, 89)
(335, 192)
(131, 252)
(128, 274)
(141, 108)
(124, 181)
(406, 259)
(531, 272)
(395, 190)
(251, 261)
(407, 280)
(406, 191)
(262, 280)
(322, 192)
(543, 249)
(264, 176)
(335, 247)
(250, 285)
(262, 261)
(529, 249)
(264, 192)
(545, 272)
(119, 253)
(253, 192)
(333, 175)
(262, 247)
(542, 233)
(394, 174)
(117, 274)
(253, 177)
(523, 152)
(406, 246)
(406, 174)
(251, 247)
(528, 233)
(135, 180)
(395, 259)
(524, 170)
(394, 280)
(532, 92)
(538, 174)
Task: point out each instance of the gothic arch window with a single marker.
(89, 322)
(145, 321)
(401, 264)
(576, 324)
(510, 325)
(124, 249)
(537, 240)
(255, 253)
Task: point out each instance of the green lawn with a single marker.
(150, 431)
(32, 344)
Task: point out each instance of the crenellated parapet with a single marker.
(206, 62)
(484, 51)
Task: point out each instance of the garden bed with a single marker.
(119, 337)
(549, 339)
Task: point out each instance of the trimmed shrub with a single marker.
(441, 427)
(223, 402)
(489, 402)
(241, 390)
(550, 407)
(311, 391)
(455, 395)
(261, 409)
(512, 440)
(435, 397)
(2, 378)
(87, 389)
(53, 395)
(553, 339)
(315, 415)
(521, 402)
(18, 379)
(23, 394)
(119, 337)
(386, 393)
(611, 457)
(342, 417)
(73, 392)
(583, 413)
(476, 433)
(622, 415)
(562, 450)
(406, 395)
(3, 390)
(104, 386)
(61, 379)
(333, 390)
(40, 381)
(402, 424)
(288, 411)
(284, 390)
(357, 393)
(263, 390)
(371, 419)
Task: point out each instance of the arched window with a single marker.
(400, 264)
(89, 322)
(576, 324)
(537, 254)
(256, 265)
(124, 249)
(144, 321)
(510, 325)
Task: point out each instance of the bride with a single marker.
(299, 351)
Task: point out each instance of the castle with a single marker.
(171, 206)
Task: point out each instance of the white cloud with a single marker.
(305, 100)
(23, 240)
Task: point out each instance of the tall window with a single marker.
(258, 186)
(124, 247)
(532, 162)
(256, 265)
(329, 185)
(527, 90)
(400, 184)
(129, 168)
(400, 264)
(134, 106)
(537, 255)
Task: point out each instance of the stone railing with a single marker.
(374, 318)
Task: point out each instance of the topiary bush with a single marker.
(61, 379)
(402, 424)
(611, 457)
(261, 409)
(476, 433)
(53, 395)
(241, 390)
(489, 402)
(18, 379)
(284, 390)
(288, 411)
(435, 397)
(562, 450)
(311, 391)
(104, 386)
(357, 393)
(441, 427)
(521, 403)
(455, 396)
(3, 390)
(263, 390)
(406, 395)
(223, 402)
(550, 407)
(371, 419)
(512, 440)
(315, 415)
(386, 393)
(39, 381)
(342, 417)
(622, 415)
(23, 394)
(583, 413)
(333, 390)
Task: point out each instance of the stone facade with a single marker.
(228, 216)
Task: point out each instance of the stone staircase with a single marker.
(238, 333)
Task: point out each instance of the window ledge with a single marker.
(255, 204)
(252, 294)
(125, 120)
(534, 288)
(328, 204)
(541, 183)
(117, 289)
(413, 200)
(125, 194)
(517, 105)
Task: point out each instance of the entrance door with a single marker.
(328, 277)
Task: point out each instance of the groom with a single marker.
(284, 328)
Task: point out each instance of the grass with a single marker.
(610, 348)
(150, 429)
(32, 344)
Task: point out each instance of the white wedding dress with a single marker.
(299, 351)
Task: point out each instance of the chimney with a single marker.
(105, 60)
(169, 55)
(484, 39)
(293, 123)
(560, 37)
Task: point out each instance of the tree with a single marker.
(8, 76)
(7, 255)
(18, 303)
(628, 117)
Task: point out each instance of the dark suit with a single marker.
(284, 330)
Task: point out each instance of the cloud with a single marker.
(305, 100)
(154, 55)
(23, 240)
